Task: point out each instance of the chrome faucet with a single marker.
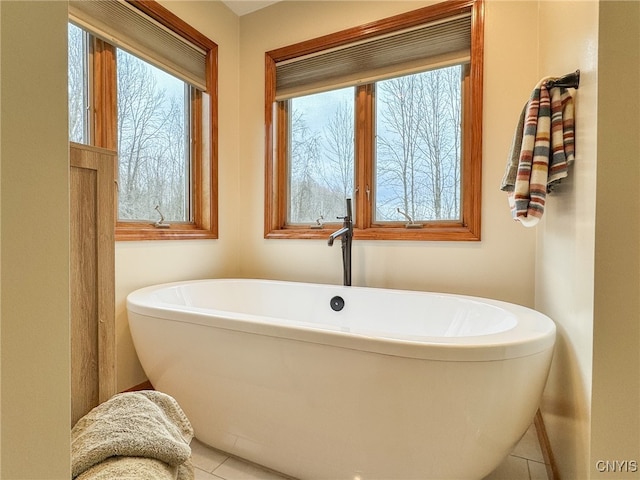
(346, 236)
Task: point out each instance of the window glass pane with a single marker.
(321, 154)
(78, 85)
(418, 146)
(153, 148)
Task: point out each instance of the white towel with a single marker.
(145, 424)
(138, 468)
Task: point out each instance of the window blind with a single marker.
(427, 46)
(126, 27)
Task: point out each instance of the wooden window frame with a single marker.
(204, 145)
(469, 228)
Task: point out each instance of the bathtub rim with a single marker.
(490, 347)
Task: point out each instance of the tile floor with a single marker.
(525, 463)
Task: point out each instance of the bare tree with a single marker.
(453, 93)
(304, 168)
(151, 141)
(440, 140)
(398, 149)
(166, 169)
(321, 155)
(339, 151)
(418, 161)
(76, 84)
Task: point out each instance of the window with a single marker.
(390, 117)
(78, 94)
(153, 144)
(142, 82)
(320, 155)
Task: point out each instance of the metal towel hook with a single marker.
(570, 80)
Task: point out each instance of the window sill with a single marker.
(146, 231)
(434, 233)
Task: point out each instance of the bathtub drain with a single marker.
(337, 303)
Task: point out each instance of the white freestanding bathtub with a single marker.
(391, 384)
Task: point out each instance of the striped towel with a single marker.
(562, 136)
(541, 152)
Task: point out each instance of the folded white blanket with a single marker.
(146, 424)
(138, 468)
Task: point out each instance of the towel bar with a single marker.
(570, 80)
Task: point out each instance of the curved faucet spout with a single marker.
(338, 233)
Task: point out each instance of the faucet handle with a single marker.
(411, 223)
(318, 225)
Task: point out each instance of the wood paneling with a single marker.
(93, 375)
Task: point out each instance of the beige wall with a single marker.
(34, 269)
(588, 261)
(615, 424)
(140, 264)
(565, 238)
